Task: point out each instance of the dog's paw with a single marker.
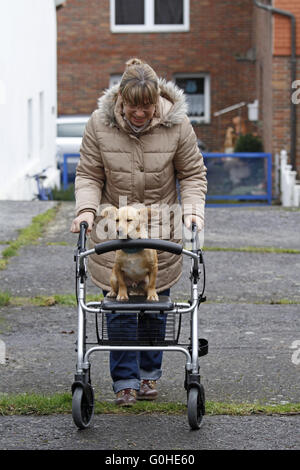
(122, 296)
(152, 295)
(111, 293)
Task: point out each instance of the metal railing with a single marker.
(65, 175)
(251, 199)
(261, 193)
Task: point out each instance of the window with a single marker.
(114, 80)
(138, 16)
(197, 91)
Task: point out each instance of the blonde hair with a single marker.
(139, 83)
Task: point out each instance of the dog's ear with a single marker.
(110, 212)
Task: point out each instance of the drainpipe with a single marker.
(293, 72)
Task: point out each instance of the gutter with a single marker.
(59, 3)
(293, 72)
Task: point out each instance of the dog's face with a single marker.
(130, 222)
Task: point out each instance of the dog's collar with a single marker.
(130, 251)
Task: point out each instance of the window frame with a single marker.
(114, 78)
(149, 26)
(207, 101)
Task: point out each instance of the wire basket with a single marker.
(138, 328)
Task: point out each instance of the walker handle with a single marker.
(82, 236)
(155, 244)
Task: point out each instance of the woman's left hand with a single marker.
(188, 219)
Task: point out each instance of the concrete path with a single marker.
(251, 320)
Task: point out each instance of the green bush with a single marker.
(248, 143)
(64, 194)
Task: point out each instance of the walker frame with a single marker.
(82, 390)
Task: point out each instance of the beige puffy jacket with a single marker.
(114, 162)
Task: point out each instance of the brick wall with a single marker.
(262, 24)
(282, 95)
(220, 32)
(273, 74)
(282, 27)
(281, 101)
(281, 80)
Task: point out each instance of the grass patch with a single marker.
(290, 209)
(3, 263)
(253, 249)
(284, 302)
(4, 299)
(10, 251)
(68, 300)
(26, 404)
(246, 409)
(28, 235)
(34, 231)
(57, 244)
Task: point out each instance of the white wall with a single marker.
(27, 95)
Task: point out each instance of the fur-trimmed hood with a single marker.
(172, 105)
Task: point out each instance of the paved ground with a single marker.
(131, 433)
(252, 337)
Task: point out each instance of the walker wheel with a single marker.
(196, 406)
(83, 405)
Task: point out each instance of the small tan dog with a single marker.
(132, 268)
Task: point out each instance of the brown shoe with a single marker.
(147, 390)
(126, 397)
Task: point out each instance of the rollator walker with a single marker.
(150, 333)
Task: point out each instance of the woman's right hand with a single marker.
(83, 217)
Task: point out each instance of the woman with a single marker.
(135, 146)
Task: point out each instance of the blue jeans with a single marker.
(128, 368)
